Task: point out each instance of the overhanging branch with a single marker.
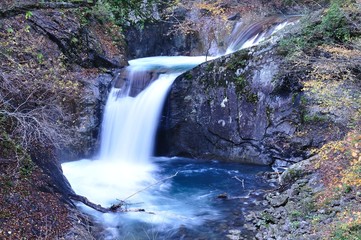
(15, 10)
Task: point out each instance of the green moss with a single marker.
(243, 89)
(238, 60)
(267, 217)
(210, 66)
(241, 83)
(345, 232)
(188, 76)
(292, 174)
(309, 118)
(296, 214)
(252, 97)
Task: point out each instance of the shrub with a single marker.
(334, 24)
(332, 28)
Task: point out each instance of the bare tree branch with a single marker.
(20, 9)
(116, 207)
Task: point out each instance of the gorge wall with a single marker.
(55, 73)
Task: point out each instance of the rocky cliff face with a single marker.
(237, 108)
(52, 92)
(187, 28)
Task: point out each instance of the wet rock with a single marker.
(234, 17)
(89, 115)
(230, 109)
(234, 234)
(277, 201)
(222, 196)
(160, 39)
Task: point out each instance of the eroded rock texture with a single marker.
(238, 107)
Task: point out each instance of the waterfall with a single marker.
(124, 165)
(129, 124)
(132, 114)
(131, 119)
(244, 36)
(128, 131)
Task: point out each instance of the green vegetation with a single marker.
(209, 66)
(296, 214)
(188, 76)
(14, 151)
(292, 174)
(238, 60)
(312, 118)
(339, 165)
(241, 83)
(333, 27)
(267, 218)
(252, 97)
(122, 12)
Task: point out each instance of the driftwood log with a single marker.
(113, 209)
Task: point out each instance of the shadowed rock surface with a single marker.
(234, 108)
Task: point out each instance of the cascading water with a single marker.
(125, 166)
(128, 128)
(244, 36)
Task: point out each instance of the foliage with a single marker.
(213, 8)
(340, 162)
(40, 109)
(334, 24)
(339, 165)
(334, 27)
(36, 96)
(291, 3)
(124, 12)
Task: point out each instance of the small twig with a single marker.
(162, 180)
(241, 180)
(116, 206)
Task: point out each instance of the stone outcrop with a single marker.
(239, 107)
(154, 40)
(49, 61)
(185, 30)
(80, 44)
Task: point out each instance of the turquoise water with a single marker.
(185, 206)
(188, 206)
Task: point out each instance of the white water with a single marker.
(253, 40)
(128, 129)
(124, 164)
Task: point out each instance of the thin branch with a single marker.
(241, 180)
(116, 207)
(162, 180)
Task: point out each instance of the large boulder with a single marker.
(240, 107)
